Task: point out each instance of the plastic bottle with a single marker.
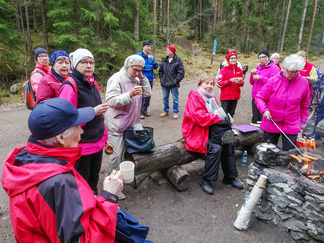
(244, 159)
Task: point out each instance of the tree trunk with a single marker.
(34, 14)
(154, 27)
(302, 27)
(160, 18)
(200, 20)
(16, 5)
(285, 27)
(246, 28)
(312, 26)
(178, 176)
(136, 25)
(221, 11)
(44, 23)
(281, 25)
(215, 16)
(168, 23)
(30, 47)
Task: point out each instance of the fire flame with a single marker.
(304, 167)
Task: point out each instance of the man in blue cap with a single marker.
(150, 64)
(49, 200)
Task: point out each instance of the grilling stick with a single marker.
(286, 136)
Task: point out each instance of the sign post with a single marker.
(214, 51)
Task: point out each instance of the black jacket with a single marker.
(171, 73)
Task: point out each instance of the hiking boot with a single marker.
(233, 182)
(175, 116)
(142, 115)
(146, 113)
(206, 187)
(164, 114)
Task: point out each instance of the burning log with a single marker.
(169, 155)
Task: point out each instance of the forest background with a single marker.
(114, 29)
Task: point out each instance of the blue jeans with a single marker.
(175, 95)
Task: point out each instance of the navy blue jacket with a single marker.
(171, 73)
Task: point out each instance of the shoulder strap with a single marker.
(72, 81)
(37, 71)
(95, 82)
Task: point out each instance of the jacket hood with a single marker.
(25, 167)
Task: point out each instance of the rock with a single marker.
(14, 89)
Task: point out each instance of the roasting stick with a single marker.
(286, 136)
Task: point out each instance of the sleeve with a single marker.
(313, 77)
(154, 64)
(44, 91)
(66, 92)
(198, 113)
(114, 96)
(222, 80)
(35, 79)
(146, 87)
(251, 79)
(262, 97)
(180, 72)
(161, 71)
(272, 72)
(304, 104)
(76, 213)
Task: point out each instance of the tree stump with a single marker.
(178, 176)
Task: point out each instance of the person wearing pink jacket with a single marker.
(285, 99)
(259, 77)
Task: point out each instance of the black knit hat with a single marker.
(146, 43)
(264, 52)
(39, 51)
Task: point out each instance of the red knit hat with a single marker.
(230, 55)
(172, 48)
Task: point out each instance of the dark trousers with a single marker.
(274, 138)
(216, 155)
(146, 100)
(89, 168)
(229, 106)
(256, 114)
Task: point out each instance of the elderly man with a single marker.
(171, 72)
(150, 64)
(49, 199)
(124, 93)
(41, 68)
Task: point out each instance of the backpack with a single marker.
(29, 95)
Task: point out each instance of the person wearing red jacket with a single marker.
(284, 99)
(49, 200)
(309, 71)
(230, 81)
(201, 113)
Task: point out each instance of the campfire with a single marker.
(294, 195)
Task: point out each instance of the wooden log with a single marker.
(168, 155)
(320, 128)
(178, 176)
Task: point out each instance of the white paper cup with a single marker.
(127, 169)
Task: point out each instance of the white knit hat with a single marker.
(134, 60)
(80, 54)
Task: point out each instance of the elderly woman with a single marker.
(199, 117)
(87, 93)
(51, 82)
(230, 81)
(285, 99)
(275, 57)
(308, 71)
(259, 77)
(124, 93)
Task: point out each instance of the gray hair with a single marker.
(53, 140)
(274, 55)
(293, 62)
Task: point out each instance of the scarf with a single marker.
(210, 102)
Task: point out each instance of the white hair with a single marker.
(293, 62)
(274, 55)
(54, 141)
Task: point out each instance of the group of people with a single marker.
(52, 181)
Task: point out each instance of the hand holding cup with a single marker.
(136, 90)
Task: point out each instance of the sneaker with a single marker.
(121, 196)
(206, 187)
(233, 182)
(164, 114)
(142, 116)
(146, 113)
(175, 116)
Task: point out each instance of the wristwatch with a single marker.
(109, 196)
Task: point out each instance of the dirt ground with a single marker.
(189, 216)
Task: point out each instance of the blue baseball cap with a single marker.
(53, 116)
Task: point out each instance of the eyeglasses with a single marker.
(43, 56)
(137, 70)
(91, 63)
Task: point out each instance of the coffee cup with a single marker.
(127, 169)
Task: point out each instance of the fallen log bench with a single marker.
(168, 159)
